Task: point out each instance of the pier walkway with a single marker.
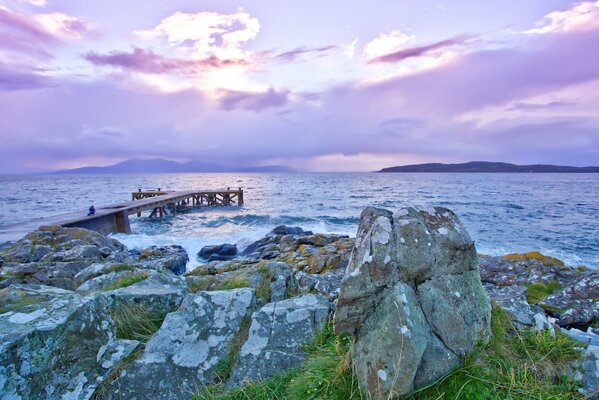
(115, 217)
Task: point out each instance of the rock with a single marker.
(220, 252)
(412, 298)
(62, 348)
(181, 357)
(277, 334)
(513, 300)
(158, 294)
(578, 304)
(280, 281)
(327, 284)
(103, 282)
(59, 274)
(521, 270)
(289, 230)
(165, 258)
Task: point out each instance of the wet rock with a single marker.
(181, 357)
(413, 279)
(62, 348)
(578, 304)
(165, 258)
(277, 334)
(221, 252)
(289, 230)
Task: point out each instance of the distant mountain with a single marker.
(136, 166)
(484, 166)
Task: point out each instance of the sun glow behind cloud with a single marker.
(257, 85)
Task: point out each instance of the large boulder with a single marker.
(182, 356)
(173, 258)
(221, 252)
(412, 298)
(277, 334)
(58, 346)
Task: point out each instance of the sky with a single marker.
(336, 85)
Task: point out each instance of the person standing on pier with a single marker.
(91, 211)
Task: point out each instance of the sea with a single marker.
(557, 214)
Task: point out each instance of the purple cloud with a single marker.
(420, 51)
(146, 61)
(252, 101)
(293, 55)
(521, 106)
(13, 78)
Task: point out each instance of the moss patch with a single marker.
(535, 255)
(12, 305)
(126, 281)
(120, 268)
(263, 289)
(537, 292)
(232, 282)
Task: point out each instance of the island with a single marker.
(486, 166)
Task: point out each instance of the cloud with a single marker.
(349, 51)
(582, 16)
(386, 43)
(32, 35)
(294, 54)
(13, 78)
(146, 61)
(420, 51)
(206, 33)
(252, 101)
(521, 106)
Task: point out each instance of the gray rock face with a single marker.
(513, 300)
(62, 348)
(276, 336)
(413, 299)
(578, 304)
(159, 293)
(181, 357)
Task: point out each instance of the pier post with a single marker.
(240, 197)
(121, 221)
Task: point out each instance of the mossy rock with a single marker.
(535, 255)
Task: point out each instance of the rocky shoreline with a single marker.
(101, 321)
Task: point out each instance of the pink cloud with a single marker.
(420, 51)
(252, 101)
(146, 61)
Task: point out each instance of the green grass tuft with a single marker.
(200, 283)
(537, 292)
(120, 268)
(126, 281)
(513, 365)
(232, 282)
(136, 322)
(263, 289)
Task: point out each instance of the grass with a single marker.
(232, 282)
(136, 322)
(326, 374)
(263, 289)
(537, 292)
(126, 281)
(513, 365)
(120, 268)
(101, 393)
(224, 368)
(200, 283)
(7, 306)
